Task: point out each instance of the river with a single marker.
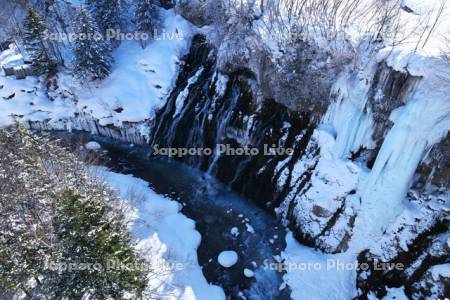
(216, 210)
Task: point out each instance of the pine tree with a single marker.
(53, 211)
(90, 232)
(91, 54)
(106, 13)
(146, 17)
(34, 34)
(24, 211)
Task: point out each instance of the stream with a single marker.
(225, 220)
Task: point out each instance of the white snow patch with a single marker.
(395, 293)
(440, 271)
(11, 57)
(221, 85)
(314, 275)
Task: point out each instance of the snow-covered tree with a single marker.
(90, 231)
(24, 211)
(34, 38)
(146, 17)
(92, 59)
(53, 211)
(107, 13)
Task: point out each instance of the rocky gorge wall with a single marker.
(320, 205)
(347, 172)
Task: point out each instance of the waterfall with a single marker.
(378, 128)
(418, 125)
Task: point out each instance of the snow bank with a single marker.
(440, 271)
(330, 182)
(25, 100)
(140, 81)
(165, 237)
(11, 58)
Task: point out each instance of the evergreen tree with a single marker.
(34, 34)
(91, 54)
(106, 13)
(90, 232)
(146, 17)
(53, 211)
(24, 211)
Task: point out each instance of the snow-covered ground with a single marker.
(140, 81)
(165, 237)
(313, 275)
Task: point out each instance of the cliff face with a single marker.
(361, 174)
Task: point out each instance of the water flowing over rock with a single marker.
(338, 171)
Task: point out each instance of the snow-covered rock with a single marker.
(93, 145)
(250, 228)
(227, 259)
(234, 231)
(248, 273)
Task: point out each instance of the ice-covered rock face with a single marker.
(347, 175)
(336, 167)
(219, 108)
(417, 242)
(433, 170)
